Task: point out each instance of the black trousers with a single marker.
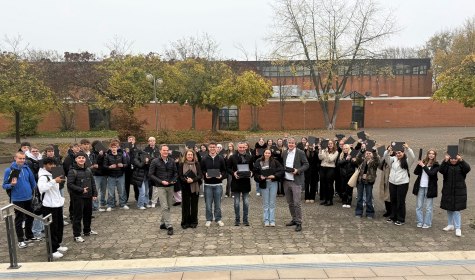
(189, 206)
(348, 191)
(20, 217)
(127, 181)
(327, 177)
(56, 227)
(397, 194)
(280, 188)
(311, 180)
(339, 186)
(82, 213)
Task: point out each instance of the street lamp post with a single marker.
(156, 82)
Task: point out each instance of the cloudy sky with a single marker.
(80, 25)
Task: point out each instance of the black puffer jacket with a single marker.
(347, 166)
(78, 178)
(140, 167)
(110, 159)
(433, 180)
(454, 189)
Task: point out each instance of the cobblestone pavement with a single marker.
(130, 234)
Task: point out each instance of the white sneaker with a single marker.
(208, 223)
(344, 206)
(62, 249)
(258, 194)
(458, 232)
(448, 228)
(220, 223)
(57, 255)
(91, 233)
(109, 209)
(153, 205)
(419, 225)
(142, 208)
(102, 210)
(202, 195)
(79, 239)
(425, 226)
(22, 245)
(125, 207)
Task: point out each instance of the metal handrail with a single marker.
(8, 213)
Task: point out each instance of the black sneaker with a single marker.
(163, 226)
(398, 223)
(246, 224)
(170, 231)
(389, 220)
(237, 223)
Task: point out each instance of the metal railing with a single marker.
(8, 214)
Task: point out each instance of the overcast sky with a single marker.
(80, 25)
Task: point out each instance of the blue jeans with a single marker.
(365, 190)
(143, 194)
(245, 207)
(421, 200)
(213, 194)
(454, 219)
(112, 184)
(38, 227)
(269, 195)
(101, 186)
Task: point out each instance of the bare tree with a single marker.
(329, 36)
(119, 46)
(199, 47)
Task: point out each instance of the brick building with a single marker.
(380, 93)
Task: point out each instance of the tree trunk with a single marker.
(281, 103)
(214, 119)
(17, 127)
(193, 117)
(254, 118)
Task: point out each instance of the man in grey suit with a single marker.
(295, 163)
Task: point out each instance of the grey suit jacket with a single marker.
(300, 163)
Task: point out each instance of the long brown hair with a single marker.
(334, 149)
(427, 160)
(195, 159)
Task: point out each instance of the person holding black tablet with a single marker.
(268, 171)
(454, 190)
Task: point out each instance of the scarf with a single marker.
(190, 165)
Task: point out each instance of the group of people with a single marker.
(330, 168)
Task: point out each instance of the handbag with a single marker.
(354, 178)
(37, 201)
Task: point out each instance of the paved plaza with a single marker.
(135, 234)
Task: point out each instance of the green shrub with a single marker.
(127, 124)
(28, 124)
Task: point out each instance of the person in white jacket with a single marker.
(399, 181)
(52, 204)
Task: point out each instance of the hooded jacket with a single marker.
(47, 185)
(23, 189)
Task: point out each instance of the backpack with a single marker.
(37, 199)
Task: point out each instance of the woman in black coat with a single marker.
(190, 175)
(454, 191)
(425, 188)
